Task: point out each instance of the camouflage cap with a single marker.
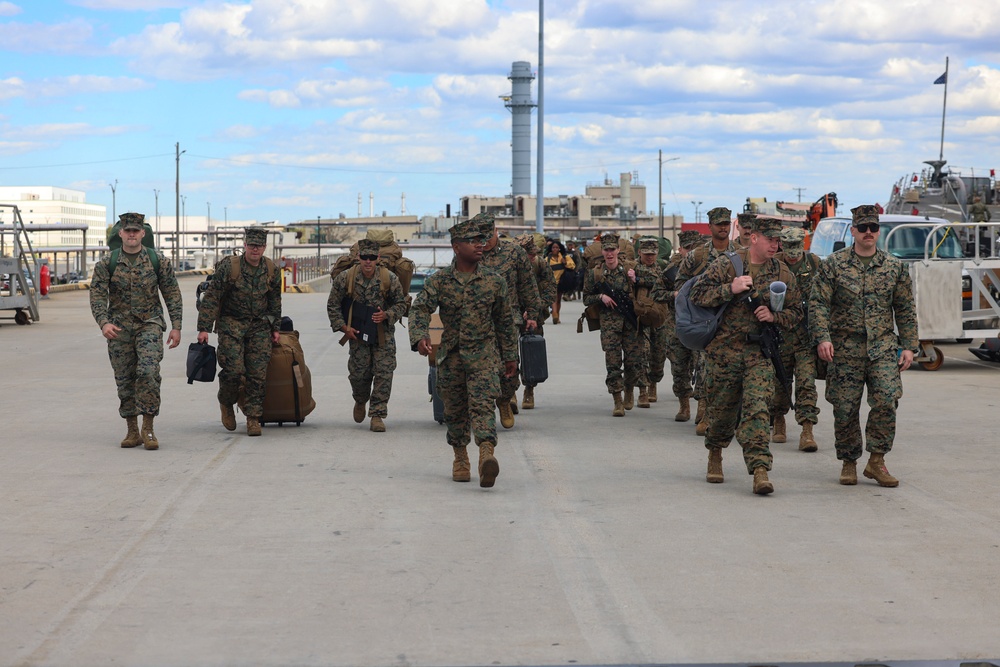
(649, 244)
(527, 241)
(255, 235)
(745, 220)
(486, 223)
(609, 241)
(466, 231)
(132, 220)
(689, 239)
(864, 213)
(792, 237)
(720, 215)
(769, 227)
(367, 247)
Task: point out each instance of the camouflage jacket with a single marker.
(132, 295)
(698, 260)
(545, 280)
(715, 288)
(858, 307)
(611, 320)
(978, 212)
(368, 291)
(235, 306)
(804, 271)
(511, 262)
(475, 314)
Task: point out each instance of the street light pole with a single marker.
(114, 211)
(177, 202)
(156, 195)
(673, 228)
(317, 246)
(696, 204)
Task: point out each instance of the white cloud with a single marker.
(9, 9)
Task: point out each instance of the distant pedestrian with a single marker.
(564, 270)
(860, 297)
(243, 305)
(478, 338)
(680, 357)
(125, 302)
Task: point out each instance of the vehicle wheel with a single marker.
(934, 363)
(21, 317)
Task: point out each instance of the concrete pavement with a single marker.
(601, 543)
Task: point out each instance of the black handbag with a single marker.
(201, 363)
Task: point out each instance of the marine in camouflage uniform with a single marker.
(511, 262)
(740, 379)
(797, 351)
(246, 314)
(690, 362)
(370, 364)
(475, 311)
(126, 306)
(619, 339)
(546, 282)
(679, 356)
(653, 340)
(860, 296)
(980, 212)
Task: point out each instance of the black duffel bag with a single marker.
(200, 363)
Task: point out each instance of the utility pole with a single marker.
(114, 212)
(317, 246)
(540, 204)
(156, 195)
(177, 202)
(799, 190)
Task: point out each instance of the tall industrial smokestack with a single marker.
(520, 106)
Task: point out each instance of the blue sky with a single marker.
(288, 109)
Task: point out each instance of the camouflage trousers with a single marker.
(509, 385)
(681, 361)
(655, 352)
(622, 345)
(469, 401)
(370, 368)
(739, 385)
(846, 379)
(243, 363)
(135, 358)
(800, 364)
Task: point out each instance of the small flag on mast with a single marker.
(941, 79)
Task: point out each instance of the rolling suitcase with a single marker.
(534, 364)
(288, 396)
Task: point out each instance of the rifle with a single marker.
(770, 340)
(623, 302)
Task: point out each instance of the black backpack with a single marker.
(696, 325)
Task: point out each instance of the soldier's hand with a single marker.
(173, 338)
(110, 331)
(631, 275)
(905, 359)
(379, 316)
(825, 351)
(608, 301)
(350, 332)
(764, 314)
(531, 325)
(202, 337)
(424, 347)
(275, 336)
(510, 368)
(741, 284)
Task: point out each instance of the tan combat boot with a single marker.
(700, 414)
(132, 438)
(629, 397)
(702, 427)
(377, 425)
(806, 441)
(643, 397)
(359, 412)
(651, 392)
(876, 470)
(253, 426)
(778, 429)
(761, 485)
(714, 475)
(513, 404)
(460, 468)
(506, 414)
(149, 440)
(684, 413)
(849, 473)
(489, 467)
(619, 410)
(528, 402)
(228, 417)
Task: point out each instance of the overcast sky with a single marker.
(288, 109)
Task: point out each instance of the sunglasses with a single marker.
(866, 227)
(369, 258)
